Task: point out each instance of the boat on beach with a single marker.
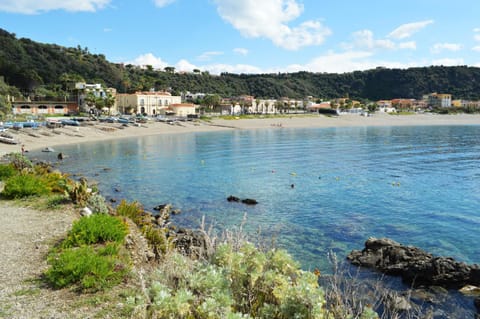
(7, 139)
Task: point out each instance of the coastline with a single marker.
(42, 138)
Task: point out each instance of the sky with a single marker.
(257, 36)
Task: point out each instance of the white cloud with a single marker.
(439, 47)
(269, 19)
(37, 6)
(184, 65)
(350, 61)
(107, 30)
(237, 68)
(408, 29)
(163, 3)
(477, 37)
(476, 30)
(149, 59)
(412, 45)
(241, 51)
(476, 48)
(209, 55)
(364, 39)
(448, 62)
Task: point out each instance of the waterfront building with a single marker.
(44, 108)
(180, 110)
(439, 100)
(147, 103)
(84, 90)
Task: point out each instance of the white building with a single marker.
(150, 103)
(263, 107)
(84, 89)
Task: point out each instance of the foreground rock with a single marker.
(415, 266)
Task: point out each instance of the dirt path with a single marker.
(25, 237)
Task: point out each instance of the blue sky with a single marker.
(257, 36)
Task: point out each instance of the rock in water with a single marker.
(249, 201)
(415, 266)
(232, 198)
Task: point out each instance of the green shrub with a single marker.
(156, 236)
(91, 270)
(77, 191)
(19, 161)
(237, 284)
(54, 180)
(6, 171)
(24, 185)
(97, 204)
(96, 229)
(134, 211)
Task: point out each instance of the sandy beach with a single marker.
(35, 139)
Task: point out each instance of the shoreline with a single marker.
(37, 139)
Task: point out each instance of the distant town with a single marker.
(95, 99)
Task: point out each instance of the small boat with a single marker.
(70, 122)
(7, 139)
(48, 149)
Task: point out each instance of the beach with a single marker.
(40, 138)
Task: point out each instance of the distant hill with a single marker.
(27, 64)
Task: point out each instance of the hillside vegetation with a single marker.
(27, 65)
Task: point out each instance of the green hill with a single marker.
(28, 65)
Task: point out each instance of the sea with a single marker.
(319, 190)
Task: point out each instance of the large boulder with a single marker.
(192, 243)
(415, 266)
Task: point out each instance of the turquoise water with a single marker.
(417, 185)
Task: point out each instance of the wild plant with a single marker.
(7, 171)
(91, 269)
(350, 296)
(97, 204)
(90, 255)
(78, 192)
(96, 229)
(24, 185)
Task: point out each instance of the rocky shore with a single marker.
(418, 268)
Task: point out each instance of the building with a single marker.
(180, 110)
(263, 107)
(403, 104)
(44, 108)
(98, 91)
(147, 103)
(439, 100)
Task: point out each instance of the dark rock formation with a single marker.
(415, 266)
(477, 304)
(192, 243)
(249, 201)
(160, 207)
(60, 156)
(232, 198)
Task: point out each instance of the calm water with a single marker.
(417, 185)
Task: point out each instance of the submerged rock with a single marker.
(249, 201)
(415, 266)
(232, 198)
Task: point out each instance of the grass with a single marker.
(96, 229)
(27, 292)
